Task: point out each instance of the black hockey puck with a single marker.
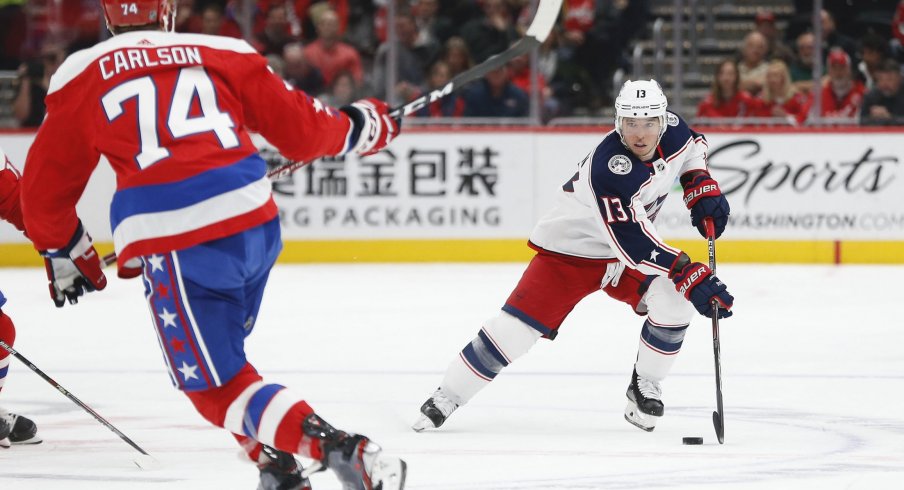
(692, 441)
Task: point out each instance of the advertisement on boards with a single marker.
(830, 186)
(495, 184)
(425, 186)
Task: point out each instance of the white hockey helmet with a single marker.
(640, 98)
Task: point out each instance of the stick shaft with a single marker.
(70, 396)
(717, 350)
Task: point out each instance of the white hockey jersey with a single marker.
(608, 208)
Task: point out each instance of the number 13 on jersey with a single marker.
(615, 213)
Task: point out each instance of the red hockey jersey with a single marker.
(171, 112)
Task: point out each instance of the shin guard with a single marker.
(502, 340)
(657, 349)
(267, 413)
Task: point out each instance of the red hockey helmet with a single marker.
(122, 13)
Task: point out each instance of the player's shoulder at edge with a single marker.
(76, 63)
(677, 134)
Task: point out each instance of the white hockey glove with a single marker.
(74, 269)
(613, 274)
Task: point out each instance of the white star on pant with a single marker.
(188, 371)
(169, 319)
(653, 255)
(156, 263)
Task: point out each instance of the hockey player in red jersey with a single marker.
(14, 429)
(601, 235)
(193, 209)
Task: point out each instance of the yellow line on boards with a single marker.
(516, 250)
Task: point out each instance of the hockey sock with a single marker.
(657, 349)
(267, 413)
(251, 447)
(7, 335)
(502, 340)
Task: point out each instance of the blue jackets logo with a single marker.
(620, 164)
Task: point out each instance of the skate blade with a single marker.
(639, 419)
(31, 440)
(422, 423)
(388, 473)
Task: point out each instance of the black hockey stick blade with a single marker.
(544, 19)
(720, 428)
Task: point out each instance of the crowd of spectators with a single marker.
(338, 50)
(860, 81)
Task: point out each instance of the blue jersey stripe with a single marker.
(2, 299)
(176, 195)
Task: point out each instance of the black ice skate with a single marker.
(280, 471)
(358, 462)
(22, 430)
(644, 402)
(434, 411)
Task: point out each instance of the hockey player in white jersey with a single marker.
(601, 235)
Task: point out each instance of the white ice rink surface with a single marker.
(812, 363)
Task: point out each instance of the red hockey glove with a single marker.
(705, 200)
(700, 286)
(74, 270)
(372, 127)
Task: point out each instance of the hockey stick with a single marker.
(145, 461)
(719, 414)
(544, 19)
